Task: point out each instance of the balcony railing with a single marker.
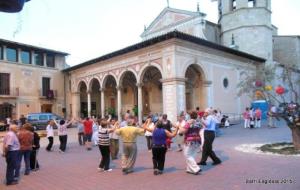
(47, 94)
(12, 92)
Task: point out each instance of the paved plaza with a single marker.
(77, 168)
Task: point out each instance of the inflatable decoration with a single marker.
(12, 6)
(268, 88)
(259, 94)
(258, 83)
(279, 90)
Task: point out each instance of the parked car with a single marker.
(40, 120)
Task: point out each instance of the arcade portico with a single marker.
(167, 74)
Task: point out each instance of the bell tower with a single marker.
(249, 21)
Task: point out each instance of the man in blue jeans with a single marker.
(11, 151)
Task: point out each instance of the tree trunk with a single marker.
(296, 137)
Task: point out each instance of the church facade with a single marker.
(183, 62)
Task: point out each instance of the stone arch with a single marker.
(79, 83)
(123, 73)
(152, 91)
(95, 97)
(105, 77)
(129, 95)
(90, 83)
(144, 69)
(82, 89)
(196, 95)
(198, 66)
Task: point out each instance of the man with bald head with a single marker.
(11, 152)
(129, 134)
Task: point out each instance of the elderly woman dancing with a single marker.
(159, 146)
(191, 143)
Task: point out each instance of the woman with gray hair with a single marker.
(129, 134)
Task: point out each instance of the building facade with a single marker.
(168, 74)
(30, 80)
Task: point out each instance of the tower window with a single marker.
(220, 9)
(251, 3)
(233, 5)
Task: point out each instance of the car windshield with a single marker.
(56, 117)
(33, 117)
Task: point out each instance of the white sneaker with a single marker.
(109, 170)
(100, 169)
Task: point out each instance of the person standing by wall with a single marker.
(50, 135)
(11, 152)
(272, 116)
(258, 118)
(246, 116)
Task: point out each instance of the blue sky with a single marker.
(90, 28)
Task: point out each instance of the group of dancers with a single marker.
(196, 132)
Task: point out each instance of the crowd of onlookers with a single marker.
(18, 143)
(253, 117)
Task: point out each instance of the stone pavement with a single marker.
(77, 168)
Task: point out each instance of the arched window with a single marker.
(225, 83)
(251, 3)
(233, 5)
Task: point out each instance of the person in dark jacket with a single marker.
(34, 164)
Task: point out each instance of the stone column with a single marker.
(89, 103)
(119, 112)
(4, 53)
(19, 51)
(32, 57)
(44, 59)
(75, 105)
(140, 102)
(209, 93)
(102, 90)
(174, 100)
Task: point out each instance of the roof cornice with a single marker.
(162, 38)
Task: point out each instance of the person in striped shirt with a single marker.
(104, 143)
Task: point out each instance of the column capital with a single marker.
(76, 93)
(102, 89)
(175, 79)
(207, 83)
(88, 91)
(119, 87)
(139, 84)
